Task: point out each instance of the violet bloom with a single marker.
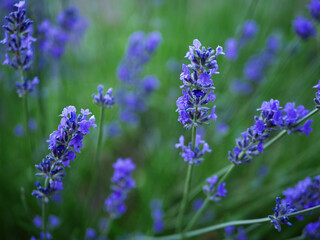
(231, 234)
(280, 214)
(272, 118)
(312, 230)
(136, 89)
(231, 49)
(19, 130)
(314, 8)
(103, 100)
(198, 86)
(193, 156)
(157, 215)
(304, 28)
(122, 183)
(63, 144)
(214, 192)
(304, 195)
(239, 86)
(249, 30)
(18, 38)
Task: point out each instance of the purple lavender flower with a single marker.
(312, 231)
(69, 28)
(18, 38)
(157, 215)
(304, 195)
(122, 183)
(257, 65)
(304, 28)
(249, 30)
(19, 130)
(27, 86)
(317, 98)
(103, 100)
(280, 212)
(314, 8)
(271, 119)
(90, 233)
(215, 192)
(132, 96)
(239, 86)
(231, 49)
(53, 222)
(63, 144)
(198, 85)
(193, 156)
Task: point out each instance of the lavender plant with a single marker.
(132, 96)
(64, 143)
(19, 40)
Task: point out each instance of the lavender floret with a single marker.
(312, 231)
(280, 214)
(193, 156)
(304, 28)
(314, 8)
(122, 184)
(103, 100)
(157, 215)
(214, 192)
(317, 98)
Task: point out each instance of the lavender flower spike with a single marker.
(122, 183)
(63, 144)
(103, 100)
(18, 38)
(198, 85)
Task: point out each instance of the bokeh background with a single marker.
(93, 59)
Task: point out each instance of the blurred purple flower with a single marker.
(304, 28)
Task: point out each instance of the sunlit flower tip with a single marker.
(304, 28)
(314, 8)
(280, 214)
(196, 44)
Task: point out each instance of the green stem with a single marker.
(226, 224)
(186, 187)
(96, 164)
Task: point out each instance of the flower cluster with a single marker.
(312, 230)
(122, 183)
(317, 98)
(303, 27)
(69, 28)
(103, 100)
(256, 67)
(272, 118)
(198, 85)
(63, 144)
(233, 45)
(280, 214)
(304, 195)
(18, 38)
(19, 41)
(53, 223)
(136, 89)
(157, 215)
(214, 192)
(230, 233)
(193, 156)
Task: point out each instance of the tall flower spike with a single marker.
(122, 183)
(280, 212)
(272, 118)
(18, 38)
(103, 100)
(198, 85)
(63, 144)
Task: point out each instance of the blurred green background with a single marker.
(160, 170)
